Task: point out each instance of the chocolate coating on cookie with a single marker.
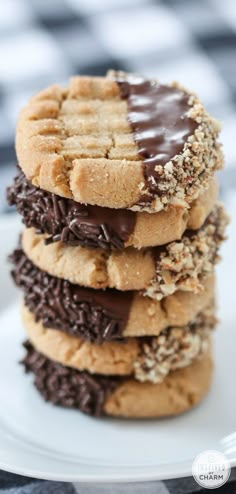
(68, 387)
(94, 315)
(161, 126)
(69, 221)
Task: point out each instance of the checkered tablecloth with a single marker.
(14, 484)
(43, 41)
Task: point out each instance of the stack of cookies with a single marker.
(117, 192)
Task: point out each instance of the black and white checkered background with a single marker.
(43, 41)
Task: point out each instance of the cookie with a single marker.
(110, 229)
(119, 142)
(158, 272)
(147, 359)
(99, 315)
(179, 392)
(116, 396)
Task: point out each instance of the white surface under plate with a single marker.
(44, 441)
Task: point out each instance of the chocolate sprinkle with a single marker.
(69, 221)
(68, 387)
(95, 315)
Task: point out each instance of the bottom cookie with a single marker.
(117, 396)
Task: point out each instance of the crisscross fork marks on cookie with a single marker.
(79, 123)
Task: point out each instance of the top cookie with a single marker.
(119, 141)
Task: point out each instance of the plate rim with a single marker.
(148, 475)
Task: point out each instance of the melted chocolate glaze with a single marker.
(95, 315)
(68, 387)
(69, 221)
(158, 117)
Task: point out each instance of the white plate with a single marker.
(43, 441)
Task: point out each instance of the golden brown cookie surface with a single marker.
(81, 142)
(175, 348)
(123, 397)
(179, 392)
(74, 223)
(180, 265)
(100, 315)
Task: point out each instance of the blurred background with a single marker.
(43, 42)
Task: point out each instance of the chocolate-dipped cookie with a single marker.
(119, 141)
(73, 223)
(148, 359)
(100, 315)
(157, 272)
(119, 396)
